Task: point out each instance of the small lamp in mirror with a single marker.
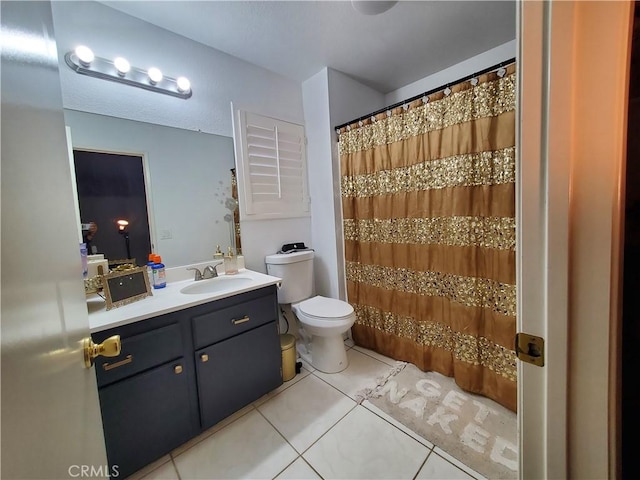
(123, 229)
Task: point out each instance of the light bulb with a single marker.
(155, 75)
(122, 65)
(85, 55)
(183, 84)
(371, 7)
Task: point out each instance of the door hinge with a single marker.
(530, 349)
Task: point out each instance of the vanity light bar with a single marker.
(98, 67)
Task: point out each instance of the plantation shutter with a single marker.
(273, 176)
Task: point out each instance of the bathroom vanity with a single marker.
(187, 361)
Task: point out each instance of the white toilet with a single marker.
(324, 319)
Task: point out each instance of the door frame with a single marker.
(146, 178)
(572, 134)
(145, 172)
(540, 453)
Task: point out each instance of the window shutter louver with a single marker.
(274, 173)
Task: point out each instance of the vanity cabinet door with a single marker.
(146, 416)
(237, 371)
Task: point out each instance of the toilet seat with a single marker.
(327, 309)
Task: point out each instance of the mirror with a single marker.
(189, 180)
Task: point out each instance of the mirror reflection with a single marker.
(187, 183)
(113, 206)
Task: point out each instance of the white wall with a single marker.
(459, 70)
(189, 176)
(217, 80)
(330, 97)
(315, 99)
(216, 77)
(348, 99)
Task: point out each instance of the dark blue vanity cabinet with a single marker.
(181, 373)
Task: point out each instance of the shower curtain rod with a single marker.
(434, 90)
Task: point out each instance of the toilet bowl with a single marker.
(325, 320)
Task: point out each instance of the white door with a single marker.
(51, 425)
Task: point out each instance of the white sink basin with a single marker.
(218, 284)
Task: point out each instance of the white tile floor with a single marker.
(309, 428)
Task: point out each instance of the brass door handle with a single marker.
(110, 347)
(177, 369)
(204, 357)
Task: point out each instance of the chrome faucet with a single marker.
(198, 276)
(208, 272)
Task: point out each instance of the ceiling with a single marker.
(410, 41)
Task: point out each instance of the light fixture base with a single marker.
(135, 77)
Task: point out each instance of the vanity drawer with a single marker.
(140, 352)
(227, 322)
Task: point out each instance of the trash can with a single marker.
(288, 346)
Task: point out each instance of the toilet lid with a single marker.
(324, 307)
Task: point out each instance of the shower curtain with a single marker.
(428, 200)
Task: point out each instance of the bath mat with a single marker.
(473, 429)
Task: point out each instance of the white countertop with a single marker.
(166, 300)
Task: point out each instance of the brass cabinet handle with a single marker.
(110, 347)
(240, 320)
(204, 357)
(177, 369)
(111, 366)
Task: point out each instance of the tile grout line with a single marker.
(330, 384)
(468, 472)
(433, 445)
(423, 464)
(175, 467)
(311, 467)
(173, 455)
(135, 475)
(328, 430)
(285, 439)
(371, 356)
(299, 457)
(300, 454)
(336, 422)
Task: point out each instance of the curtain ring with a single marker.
(405, 107)
(348, 128)
(425, 99)
(474, 81)
(360, 123)
(501, 72)
(388, 113)
(447, 91)
(373, 118)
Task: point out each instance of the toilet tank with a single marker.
(296, 271)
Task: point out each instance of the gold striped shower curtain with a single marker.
(428, 200)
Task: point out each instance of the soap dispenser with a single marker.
(230, 263)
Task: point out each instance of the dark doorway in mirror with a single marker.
(111, 191)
